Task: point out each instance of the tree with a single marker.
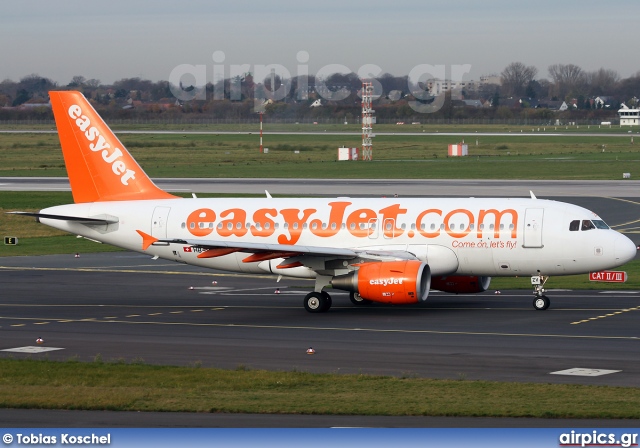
(628, 88)
(495, 101)
(21, 97)
(567, 79)
(77, 81)
(516, 77)
(602, 81)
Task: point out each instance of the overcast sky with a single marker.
(118, 39)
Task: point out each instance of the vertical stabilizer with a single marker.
(99, 167)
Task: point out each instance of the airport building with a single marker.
(629, 117)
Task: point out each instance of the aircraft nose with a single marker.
(624, 249)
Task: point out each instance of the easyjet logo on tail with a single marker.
(99, 144)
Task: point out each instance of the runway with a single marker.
(544, 189)
(126, 306)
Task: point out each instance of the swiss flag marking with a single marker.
(187, 249)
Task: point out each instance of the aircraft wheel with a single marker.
(358, 300)
(541, 303)
(327, 300)
(315, 302)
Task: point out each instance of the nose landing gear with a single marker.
(540, 302)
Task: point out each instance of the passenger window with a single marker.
(587, 225)
(574, 226)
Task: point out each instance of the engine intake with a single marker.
(388, 281)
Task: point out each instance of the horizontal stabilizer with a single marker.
(80, 219)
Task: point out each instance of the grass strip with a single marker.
(139, 387)
(302, 156)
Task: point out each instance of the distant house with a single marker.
(603, 102)
(473, 103)
(552, 105)
(510, 102)
(28, 105)
(316, 103)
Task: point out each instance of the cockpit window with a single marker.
(600, 224)
(574, 226)
(587, 225)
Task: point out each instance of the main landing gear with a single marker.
(358, 300)
(317, 302)
(540, 302)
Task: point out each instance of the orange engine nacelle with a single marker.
(460, 284)
(388, 281)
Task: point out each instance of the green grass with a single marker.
(122, 387)
(395, 156)
(577, 282)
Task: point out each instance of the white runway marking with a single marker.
(31, 349)
(585, 372)
(619, 292)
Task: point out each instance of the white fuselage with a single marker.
(465, 236)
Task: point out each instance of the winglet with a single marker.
(99, 167)
(533, 196)
(147, 240)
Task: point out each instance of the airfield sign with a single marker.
(608, 276)
(10, 240)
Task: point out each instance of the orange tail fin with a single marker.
(99, 166)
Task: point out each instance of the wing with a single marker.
(294, 255)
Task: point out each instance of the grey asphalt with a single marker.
(543, 189)
(127, 306)
(124, 306)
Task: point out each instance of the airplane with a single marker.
(388, 250)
